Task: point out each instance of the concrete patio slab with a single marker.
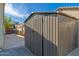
(75, 52)
(19, 51)
(14, 46)
(12, 41)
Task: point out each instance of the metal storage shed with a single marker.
(49, 34)
(72, 11)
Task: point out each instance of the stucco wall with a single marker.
(1, 25)
(74, 13)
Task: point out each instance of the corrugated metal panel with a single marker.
(66, 34)
(37, 36)
(31, 36)
(45, 34)
(56, 37)
(51, 45)
(35, 32)
(27, 35)
(49, 35)
(52, 34)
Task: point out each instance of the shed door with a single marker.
(49, 44)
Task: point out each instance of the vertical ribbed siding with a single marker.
(56, 35)
(37, 35)
(27, 42)
(51, 34)
(31, 36)
(48, 33)
(34, 35)
(67, 28)
(76, 36)
(51, 52)
(45, 24)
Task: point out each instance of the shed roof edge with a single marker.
(50, 13)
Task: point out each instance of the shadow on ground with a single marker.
(19, 51)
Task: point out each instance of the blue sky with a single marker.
(20, 11)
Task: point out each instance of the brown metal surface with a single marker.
(51, 34)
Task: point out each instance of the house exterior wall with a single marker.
(51, 34)
(70, 11)
(1, 25)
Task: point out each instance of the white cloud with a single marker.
(9, 10)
